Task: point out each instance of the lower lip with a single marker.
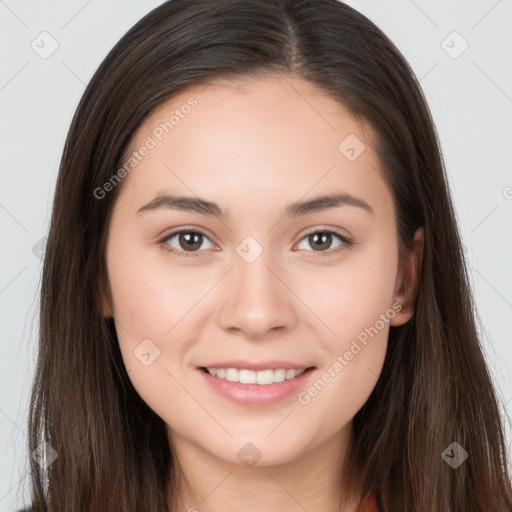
(256, 394)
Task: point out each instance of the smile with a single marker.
(262, 377)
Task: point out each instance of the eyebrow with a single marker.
(296, 209)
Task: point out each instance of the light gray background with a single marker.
(470, 97)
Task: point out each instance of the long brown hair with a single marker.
(434, 389)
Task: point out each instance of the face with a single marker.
(270, 277)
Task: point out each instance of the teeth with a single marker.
(263, 377)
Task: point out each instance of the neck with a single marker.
(311, 481)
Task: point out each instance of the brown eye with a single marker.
(190, 240)
(322, 241)
(185, 242)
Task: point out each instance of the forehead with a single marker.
(268, 136)
(273, 102)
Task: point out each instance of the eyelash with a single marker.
(346, 243)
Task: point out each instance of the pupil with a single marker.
(190, 240)
(322, 237)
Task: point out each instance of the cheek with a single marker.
(150, 294)
(150, 302)
(352, 296)
(140, 299)
(156, 300)
(354, 301)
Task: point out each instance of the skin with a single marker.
(254, 147)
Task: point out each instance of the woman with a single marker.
(254, 293)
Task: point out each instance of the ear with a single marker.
(106, 310)
(407, 280)
(105, 302)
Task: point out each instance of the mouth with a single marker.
(262, 377)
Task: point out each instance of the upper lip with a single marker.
(256, 366)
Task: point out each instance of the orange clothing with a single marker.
(369, 505)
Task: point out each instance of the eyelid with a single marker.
(186, 229)
(329, 229)
(347, 241)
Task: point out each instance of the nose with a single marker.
(257, 300)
